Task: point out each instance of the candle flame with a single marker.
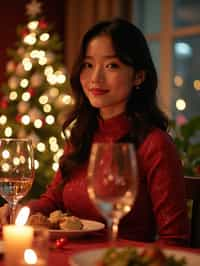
(22, 216)
(30, 257)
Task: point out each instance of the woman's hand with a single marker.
(4, 214)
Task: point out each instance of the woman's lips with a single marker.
(97, 91)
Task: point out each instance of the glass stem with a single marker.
(13, 208)
(114, 229)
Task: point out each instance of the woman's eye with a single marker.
(112, 65)
(87, 65)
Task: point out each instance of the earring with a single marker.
(137, 87)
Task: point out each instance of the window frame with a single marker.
(168, 32)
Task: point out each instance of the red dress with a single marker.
(160, 209)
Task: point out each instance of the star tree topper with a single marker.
(33, 8)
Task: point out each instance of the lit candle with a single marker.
(17, 238)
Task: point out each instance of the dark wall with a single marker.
(13, 13)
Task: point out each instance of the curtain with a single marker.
(81, 14)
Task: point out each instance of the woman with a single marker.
(114, 82)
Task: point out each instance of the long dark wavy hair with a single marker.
(131, 48)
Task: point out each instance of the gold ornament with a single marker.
(36, 80)
(10, 67)
(22, 107)
(13, 82)
(20, 70)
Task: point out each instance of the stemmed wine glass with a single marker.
(112, 181)
(16, 171)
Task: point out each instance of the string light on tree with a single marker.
(36, 95)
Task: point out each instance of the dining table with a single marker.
(60, 255)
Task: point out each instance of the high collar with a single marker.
(112, 129)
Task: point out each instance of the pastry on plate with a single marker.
(38, 219)
(71, 223)
(56, 220)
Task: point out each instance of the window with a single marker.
(172, 29)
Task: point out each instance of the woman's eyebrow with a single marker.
(104, 56)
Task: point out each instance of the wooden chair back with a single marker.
(192, 186)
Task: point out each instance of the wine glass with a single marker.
(112, 181)
(16, 171)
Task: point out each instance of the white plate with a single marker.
(88, 227)
(90, 258)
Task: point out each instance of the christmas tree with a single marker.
(36, 95)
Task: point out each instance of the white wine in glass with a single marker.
(16, 171)
(112, 181)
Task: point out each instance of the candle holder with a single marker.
(37, 254)
(25, 245)
(16, 238)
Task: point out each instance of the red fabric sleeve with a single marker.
(51, 199)
(166, 187)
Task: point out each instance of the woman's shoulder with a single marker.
(158, 148)
(158, 135)
(158, 139)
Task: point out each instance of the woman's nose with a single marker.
(97, 75)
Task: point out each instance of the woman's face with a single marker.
(106, 81)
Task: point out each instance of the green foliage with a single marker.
(130, 256)
(187, 139)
